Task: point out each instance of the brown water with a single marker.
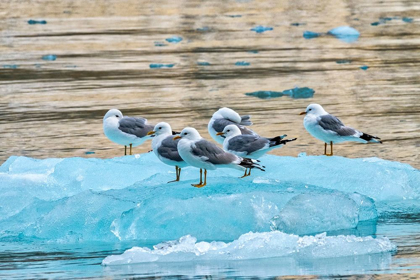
(104, 48)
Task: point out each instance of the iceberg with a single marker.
(254, 246)
(127, 198)
(344, 33)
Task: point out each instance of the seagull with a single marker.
(330, 129)
(125, 131)
(226, 116)
(250, 146)
(165, 147)
(200, 153)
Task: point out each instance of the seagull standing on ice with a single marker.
(226, 116)
(166, 149)
(250, 146)
(330, 129)
(203, 154)
(125, 131)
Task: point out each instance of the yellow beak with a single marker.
(220, 133)
(150, 132)
(177, 137)
(303, 113)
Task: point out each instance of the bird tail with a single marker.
(370, 138)
(246, 120)
(251, 163)
(278, 140)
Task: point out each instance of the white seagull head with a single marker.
(189, 133)
(113, 113)
(230, 131)
(162, 128)
(315, 110)
(227, 113)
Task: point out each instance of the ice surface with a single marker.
(307, 213)
(127, 198)
(254, 246)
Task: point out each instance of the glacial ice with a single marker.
(174, 39)
(160, 65)
(344, 33)
(254, 246)
(33, 21)
(261, 29)
(127, 198)
(296, 93)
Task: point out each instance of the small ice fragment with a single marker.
(297, 24)
(49, 57)
(376, 23)
(302, 154)
(159, 44)
(343, 61)
(345, 33)
(297, 92)
(203, 29)
(407, 19)
(203, 63)
(253, 51)
(385, 19)
(37, 65)
(261, 29)
(265, 94)
(242, 63)
(174, 39)
(234, 16)
(310, 34)
(10, 66)
(89, 153)
(364, 67)
(32, 21)
(160, 65)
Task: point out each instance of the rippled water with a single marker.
(104, 49)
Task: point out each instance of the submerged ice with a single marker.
(254, 246)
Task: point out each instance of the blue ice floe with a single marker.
(384, 20)
(364, 67)
(203, 63)
(242, 63)
(343, 61)
(10, 66)
(174, 39)
(261, 29)
(296, 93)
(160, 65)
(344, 33)
(33, 21)
(49, 57)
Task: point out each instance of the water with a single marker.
(103, 49)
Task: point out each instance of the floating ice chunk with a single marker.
(302, 154)
(203, 29)
(32, 21)
(344, 33)
(253, 51)
(174, 39)
(364, 67)
(160, 65)
(307, 213)
(159, 44)
(297, 23)
(296, 92)
(407, 19)
(10, 66)
(255, 246)
(310, 34)
(89, 153)
(242, 63)
(261, 29)
(49, 57)
(203, 63)
(343, 61)
(234, 16)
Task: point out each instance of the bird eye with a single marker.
(160, 127)
(185, 133)
(228, 130)
(116, 116)
(309, 109)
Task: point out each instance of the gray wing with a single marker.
(246, 120)
(213, 153)
(332, 123)
(169, 149)
(220, 124)
(135, 126)
(247, 143)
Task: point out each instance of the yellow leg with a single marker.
(249, 173)
(201, 179)
(325, 149)
(125, 150)
(331, 150)
(131, 146)
(245, 174)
